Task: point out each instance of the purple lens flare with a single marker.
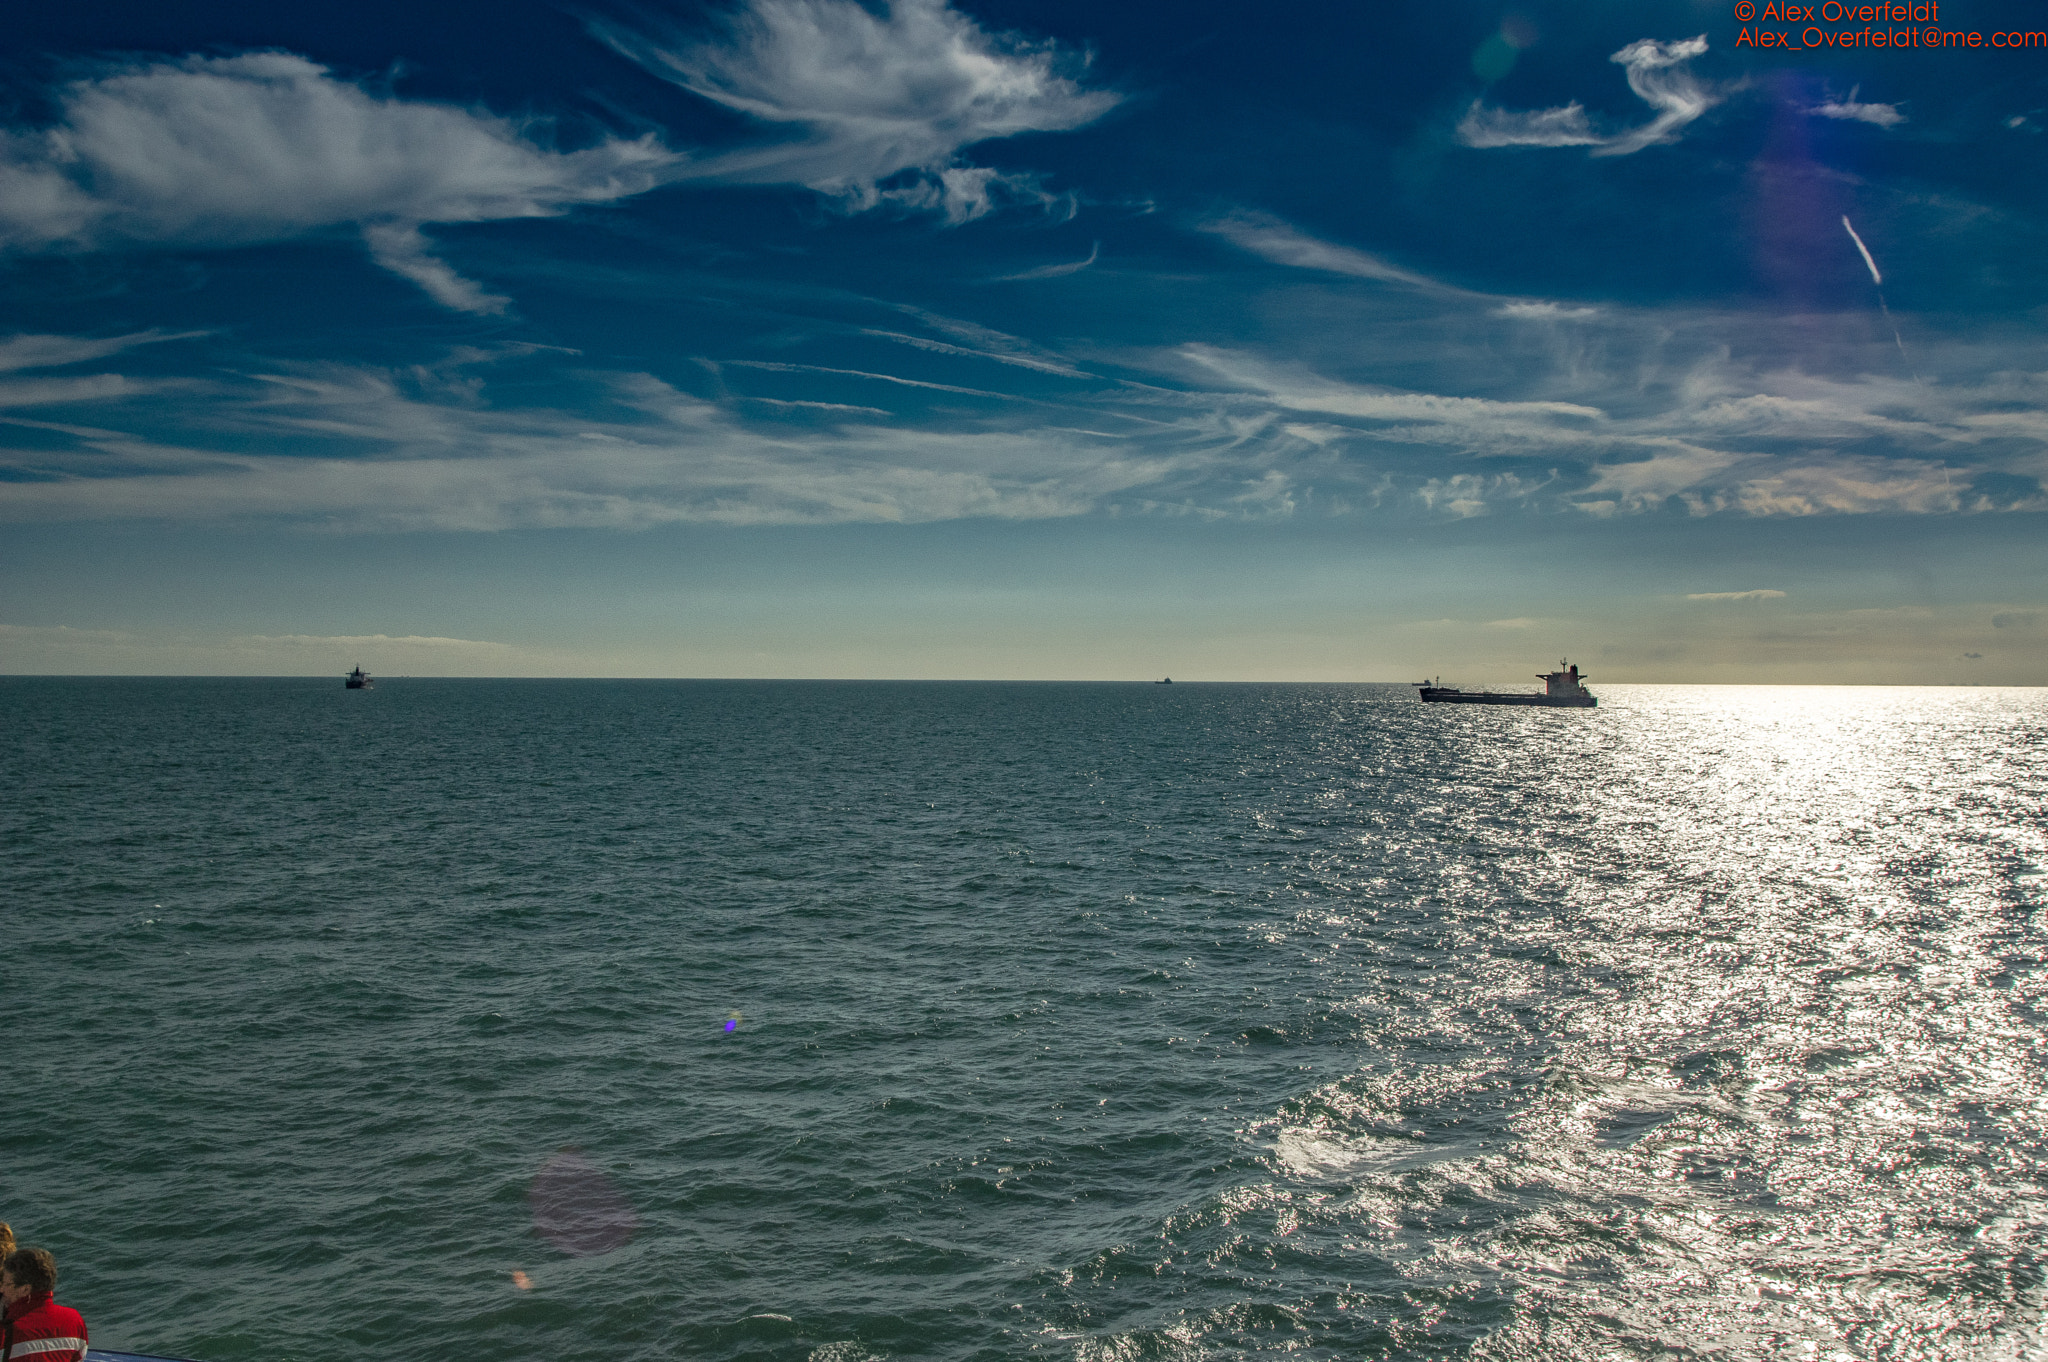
(576, 1208)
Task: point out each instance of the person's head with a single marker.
(27, 1274)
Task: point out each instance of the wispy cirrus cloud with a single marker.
(1762, 594)
(415, 463)
(264, 146)
(1566, 126)
(1591, 419)
(1878, 115)
(1790, 445)
(783, 366)
(58, 649)
(1267, 236)
(882, 105)
(1462, 496)
(379, 642)
(46, 392)
(1658, 74)
(1410, 416)
(1060, 271)
(974, 341)
(404, 250)
(1841, 484)
(27, 351)
(1545, 312)
(1651, 476)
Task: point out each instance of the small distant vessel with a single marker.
(1562, 689)
(1167, 682)
(358, 680)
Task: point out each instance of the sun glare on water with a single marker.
(1777, 985)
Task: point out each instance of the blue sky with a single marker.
(808, 338)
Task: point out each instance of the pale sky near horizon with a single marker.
(1028, 339)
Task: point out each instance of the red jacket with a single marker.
(43, 1331)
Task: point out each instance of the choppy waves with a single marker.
(1079, 1021)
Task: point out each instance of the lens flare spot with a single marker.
(577, 1209)
(1494, 59)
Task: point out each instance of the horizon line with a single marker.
(965, 680)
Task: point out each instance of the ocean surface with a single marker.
(842, 1021)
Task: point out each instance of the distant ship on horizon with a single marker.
(358, 680)
(1562, 689)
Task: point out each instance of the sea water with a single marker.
(988, 1021)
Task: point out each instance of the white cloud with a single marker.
(981, 342)
(1282, 244)
(378, 643)
(400, 248)
(1021, 361)
(781, 367)
(1277, 241)
(1643, 484)
(265, 146)
(1812, 412)
(876, 97)
(460, 467)
(963, 193)
(43, 635)
(1881, 115)
(1843, 484)
(28, 351)
(1545, 312)
(60, 649)
(217, 151)
(1656, 72)
(1317, 434)
(1476, 424)
(42, 392)
(1483, 127)
(794, 405)
(1610, 415)
(1759, 595)
(386, 656)
(1465, 495)
(1051, 271)
(1271, 495)
(1789, 444)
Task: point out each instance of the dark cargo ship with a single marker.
(359, 680)
(1562, 689)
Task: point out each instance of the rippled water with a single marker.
(1087, 1021)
